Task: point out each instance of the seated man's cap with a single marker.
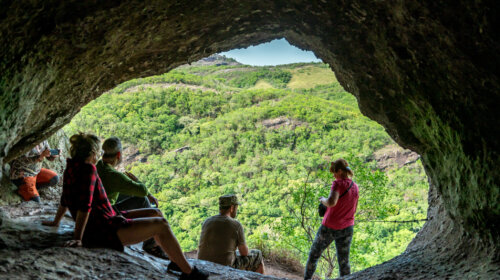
(228, 200)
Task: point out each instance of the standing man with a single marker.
(221, 235)
(27, 174)
(124, 190)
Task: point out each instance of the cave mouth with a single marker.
(159, 119)
(409, 65)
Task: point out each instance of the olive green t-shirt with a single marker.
(220, 236)
(116, 183)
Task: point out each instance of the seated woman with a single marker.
(96, 223)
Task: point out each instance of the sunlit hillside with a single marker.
(268, 135)
(309, 76)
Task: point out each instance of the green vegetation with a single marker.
(309, 76)
(270, 146)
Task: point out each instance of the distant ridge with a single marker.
(217, 60)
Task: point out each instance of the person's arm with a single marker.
(127, 186)
(33, 157)
(45, 148)
(241, 243)
(84, 207)
(243, 248)
(53, 157)
(332, 199)
(151, 197)
(43, 155)
(80, 224)
(57, 219)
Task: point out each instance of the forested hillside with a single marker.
(268, 135)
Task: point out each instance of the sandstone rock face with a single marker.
(426, 70)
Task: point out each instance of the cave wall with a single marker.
(425, 70)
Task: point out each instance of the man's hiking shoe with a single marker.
(195, 275)
(149, 246)
(173, 267)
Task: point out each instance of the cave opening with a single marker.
(409, 65)
(267, 133)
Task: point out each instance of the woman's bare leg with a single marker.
(143, 213)
(144, 228)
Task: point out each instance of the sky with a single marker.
(272, 53)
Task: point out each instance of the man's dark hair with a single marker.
(224, 209)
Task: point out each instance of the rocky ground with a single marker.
(29, 250)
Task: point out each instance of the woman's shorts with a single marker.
(104, 235)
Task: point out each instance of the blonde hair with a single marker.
(83, 145)
(341, 164)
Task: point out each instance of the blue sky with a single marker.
(271, 53)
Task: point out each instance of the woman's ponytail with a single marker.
(341, 164)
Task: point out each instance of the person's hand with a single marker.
(46, 153)
(321, 199)
(50, 223)
(73, 243)
(153, 200)
(131, 176)
(53, 157)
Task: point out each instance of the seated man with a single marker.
(124, 190)
(27, 174)
(221, 235)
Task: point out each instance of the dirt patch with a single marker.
(282, 122)
(167, 85)
(246, 69)
(392, 156)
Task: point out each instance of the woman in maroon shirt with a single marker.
(97, 224)
(338, 221)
